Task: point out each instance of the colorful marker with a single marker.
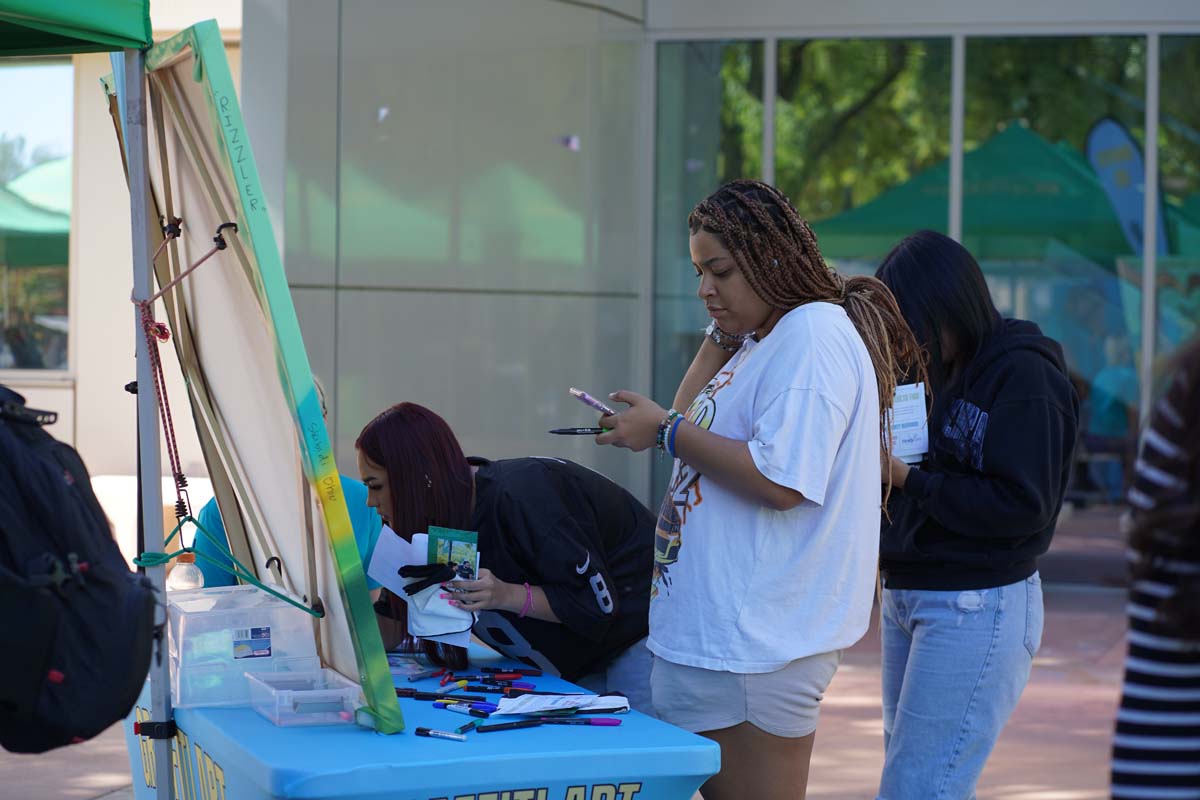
(464, 728)
(435, 734)
(508, 726)
(413, 694)
(462, 709)
(605, 721)
(588, 400)
(528, 671)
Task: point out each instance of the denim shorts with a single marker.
(784, 703)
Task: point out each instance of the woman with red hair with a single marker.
(565, 554)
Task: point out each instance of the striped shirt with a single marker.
(1156, 749)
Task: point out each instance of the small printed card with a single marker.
(910, 423)
(459, 549)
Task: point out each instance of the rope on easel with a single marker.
(156, 333)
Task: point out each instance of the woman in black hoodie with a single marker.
(962, 603)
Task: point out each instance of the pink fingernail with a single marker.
(454, 603)
(443, 595)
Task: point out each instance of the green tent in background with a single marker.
(31, 235)
(1020, 194)
(35, 209)
(52, 27)
(48, 185)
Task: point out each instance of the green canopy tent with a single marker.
(31, 235)
(48, 185)
(1021, 193)
(54, 27)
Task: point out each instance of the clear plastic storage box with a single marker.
(305, 698)
(218, 635)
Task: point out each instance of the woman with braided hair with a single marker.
(768, 537)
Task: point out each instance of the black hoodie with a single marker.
(983, 505)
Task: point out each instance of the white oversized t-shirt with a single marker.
(740, 587)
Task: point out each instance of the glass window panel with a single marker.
(1052, 209)
(1179, 168)
(862, 137)
(709, 131)
(35, 212)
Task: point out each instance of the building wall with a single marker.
(456, 187)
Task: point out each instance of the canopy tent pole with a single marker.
(149, 474)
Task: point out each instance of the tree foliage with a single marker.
(854, 117)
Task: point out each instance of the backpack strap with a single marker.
(13, 408)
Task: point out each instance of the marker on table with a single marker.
(516, 691)
(413, 694)
(465, 709)
(529, 671)
(509, 726)
(453, 687)
(429, 673)
(508, 684)
(435, 734)
(467, 727)
(605, 721)
(484, 677)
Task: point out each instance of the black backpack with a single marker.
(76, 625)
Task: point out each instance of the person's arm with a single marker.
(1019, 487)
(489, 593)
(707, 363)
(729, 463)
(759, 470)
(550, 531)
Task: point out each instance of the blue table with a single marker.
(234, 753)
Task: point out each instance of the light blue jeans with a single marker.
(954, 665)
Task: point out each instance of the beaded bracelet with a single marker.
(671, 436)
(525, 609)
(664, 427)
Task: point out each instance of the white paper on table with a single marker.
(390, 554)
(541, 703)
(910, 423)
